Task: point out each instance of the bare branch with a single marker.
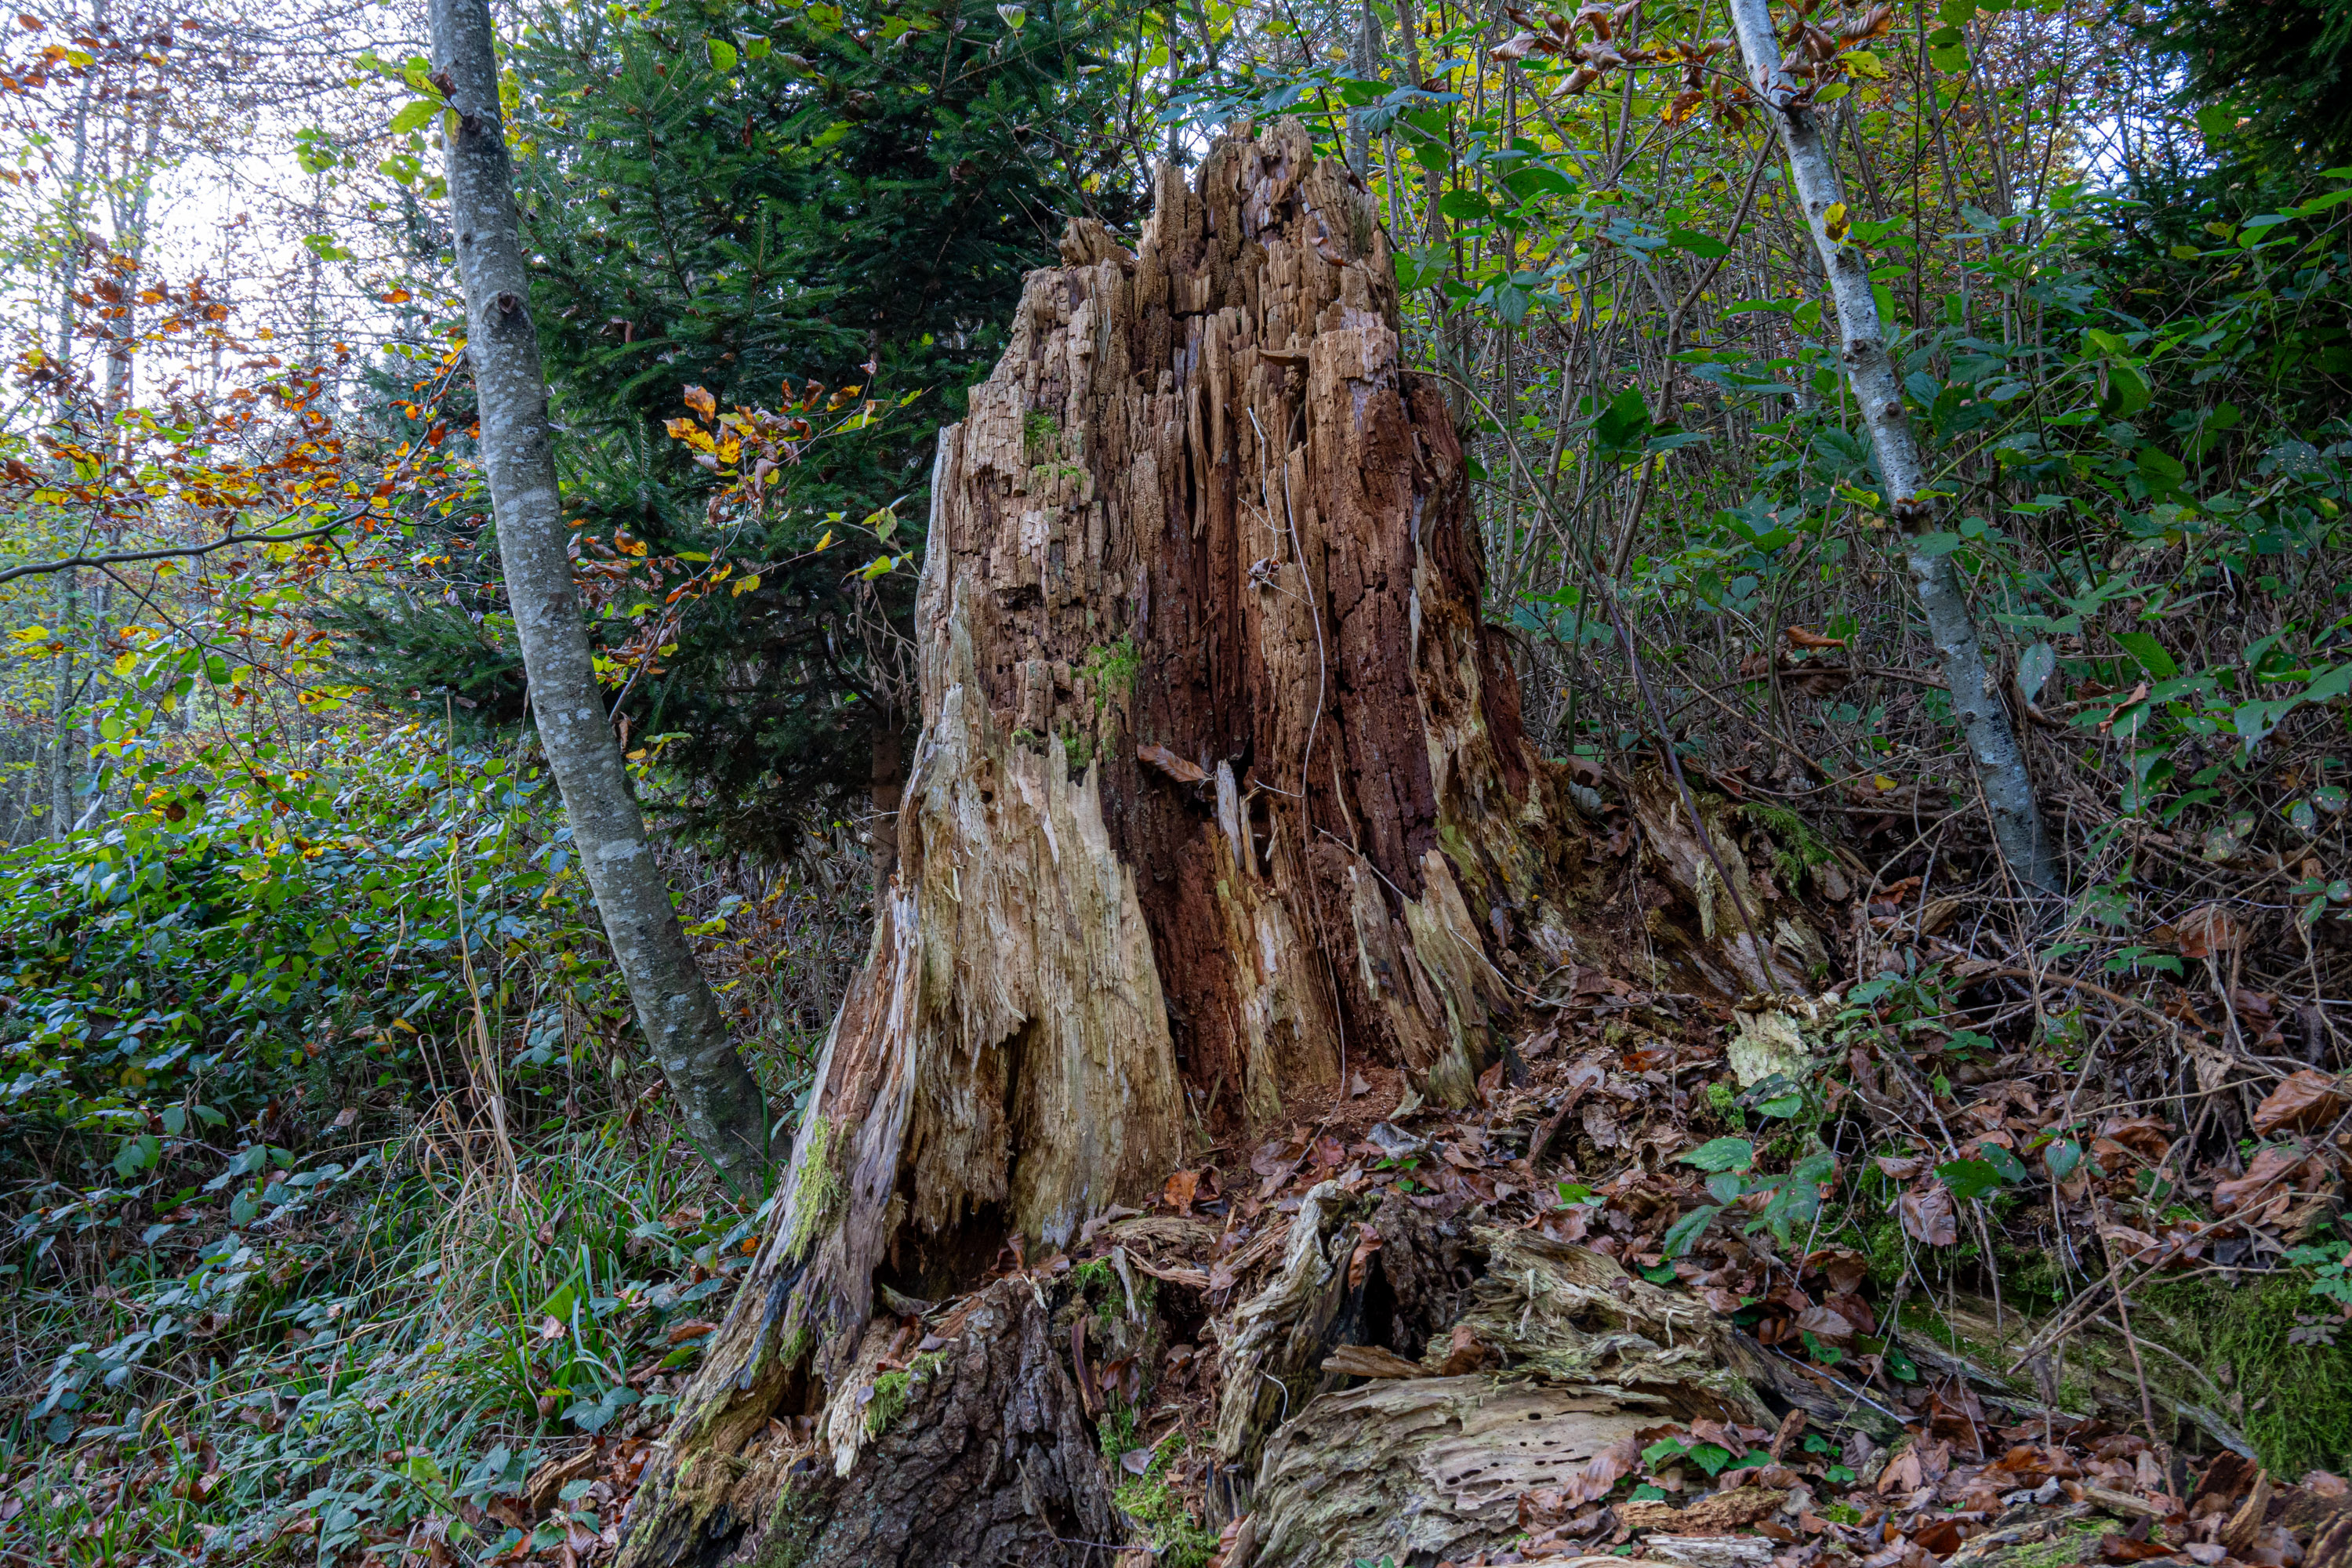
(120, 558)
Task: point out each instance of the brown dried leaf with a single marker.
(1928, 1216)
(1826, 1323)
(2307, 1100)
(1360, 1262)
(1465, 1353)
(2203, 932)
(1169, 762)
(2274, 1171)
(1179, 1190)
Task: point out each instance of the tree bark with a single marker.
(1878, 392)
(718, 1101)
(1220, 796)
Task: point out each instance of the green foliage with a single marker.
(2296, 1392)
(853, 202)
(1112, 670)
(253, 931)
(2283, 67)
(1041, 435)
(403, 1355)
(1795, 1196)
(1152, 1506)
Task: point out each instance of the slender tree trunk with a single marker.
(1221, 809)
(69, 254)
(61, 675)
(2000, 761)
(717, 1096)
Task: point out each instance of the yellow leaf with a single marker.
(745, 584)
(1837, 222)
(1864, 64)
(1882, 780)
(820, 544)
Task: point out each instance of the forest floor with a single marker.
(1901, 1275)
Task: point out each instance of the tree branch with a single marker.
(73, 562)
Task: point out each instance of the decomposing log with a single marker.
(1437, 1465)
(1221, 798)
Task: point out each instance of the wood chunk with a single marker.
(2245, 1526)
(1428, 1466)
(1712, 1550)
(1711, 1515)
(1372, 1361)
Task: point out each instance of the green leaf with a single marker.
(1624, 421)
(1721, 1154)
(1706, 246)
(413, 116)
(2123, 389)
(722, 54)
(1013, 16)
(2034, 668)
(1465, 206)
(2011, 1169)
(1686, 1230)
(2330, 686)
(2149, 653)
(1969, 1178)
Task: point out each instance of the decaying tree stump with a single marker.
(1220, 796)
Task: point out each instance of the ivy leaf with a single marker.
(1969, 1178)
(2005, 1163)
(1686, 1230)
(1721, 1154)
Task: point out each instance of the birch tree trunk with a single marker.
(717, 1099)
(1221, 801)
(2000, 761)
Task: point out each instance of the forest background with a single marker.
(323, 1101)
